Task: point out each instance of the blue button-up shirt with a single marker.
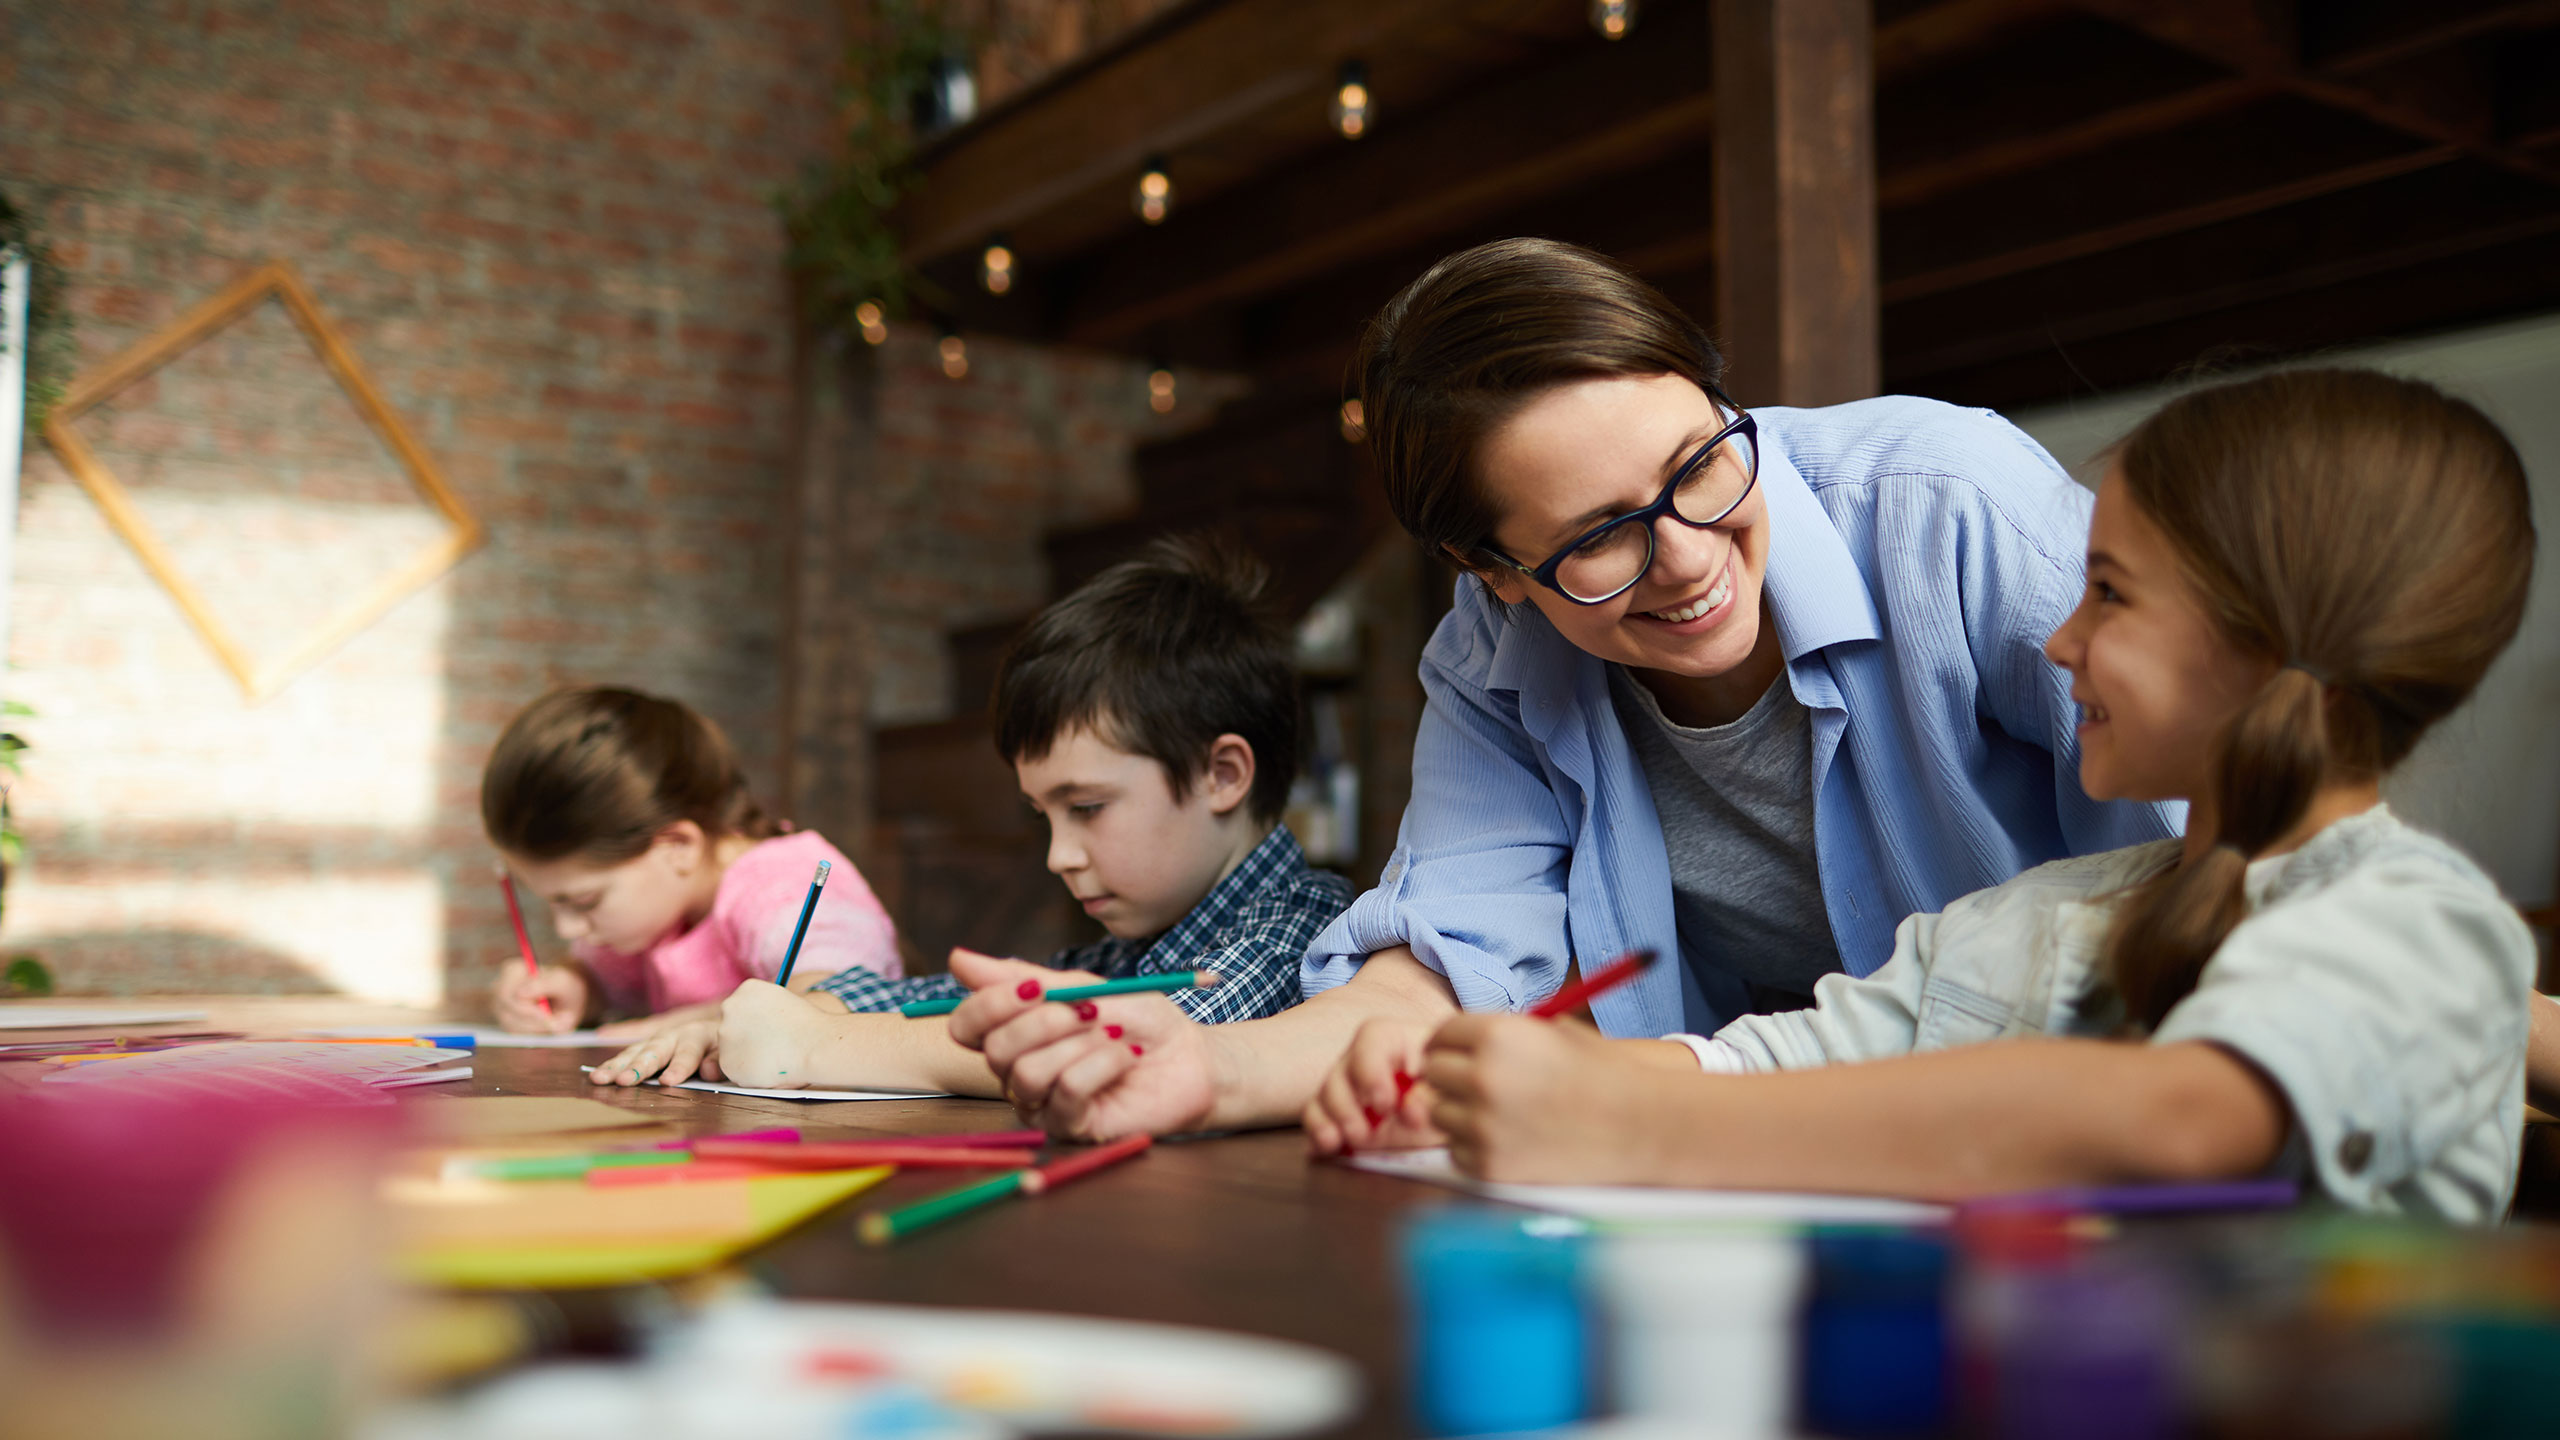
(1919, 554)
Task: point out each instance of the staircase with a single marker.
(956, 855)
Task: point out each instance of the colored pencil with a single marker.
(1175, 980)
(624, 1177)
(882, 1226)
(1044, 1178)
(524, 942)
(840, 1155)
(800, 931)
(776, 1132)
(1618, 972)
(2149, 1199)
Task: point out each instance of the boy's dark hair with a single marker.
(598, 772)
(1161, 655)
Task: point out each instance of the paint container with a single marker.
(1499, 1331)
(1702, 1327)
(1876, 1353)
(2087, 1348)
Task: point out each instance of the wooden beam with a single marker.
(1207, 70)
(1607, 108)
(1795, 192)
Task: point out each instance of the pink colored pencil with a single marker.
(524, 942)
(840, 1155)
(1058, 1172)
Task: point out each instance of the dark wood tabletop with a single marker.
(1236, 1232)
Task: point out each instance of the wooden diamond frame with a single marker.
(275, 278)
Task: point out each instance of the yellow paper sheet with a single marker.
(772, 1205)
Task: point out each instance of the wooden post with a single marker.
(1795, 188)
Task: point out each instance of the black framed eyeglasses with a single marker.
(1606, 561)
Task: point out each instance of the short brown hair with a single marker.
(2371, 536)
(598, 772)
(1161, 655)
(1482, 333)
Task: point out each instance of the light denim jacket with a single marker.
(1919, 556)
(2379, 979)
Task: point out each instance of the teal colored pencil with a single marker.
(1176, 980)
(882, 1226)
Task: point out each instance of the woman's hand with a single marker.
(1373, 1098)
(1535, 1100)
(769, 1036)
(672, 1053)
(517, 996)
(1094, 1070)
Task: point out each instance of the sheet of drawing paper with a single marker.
(14, 1016)
(316, 1074)
(482, 1036)
(715, 1088)
(1646, 1204)
(423, 1077)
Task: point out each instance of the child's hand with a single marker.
(1374, 1097)
(1096, 1070)
(1535, 1100)
(516, 995)
(768, 1036)
(673, 1053)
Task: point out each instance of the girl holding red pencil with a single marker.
(2290, 579)
(628, 815)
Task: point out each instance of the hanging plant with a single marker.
(49, 353)
(899, 81)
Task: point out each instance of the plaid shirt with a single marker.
(1251, 928)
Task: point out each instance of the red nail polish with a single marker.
(1137, 1049)
(1028, 989)
(1111, 1030)
(1404, 1086)
(1087, 1010)
(1370, 1114)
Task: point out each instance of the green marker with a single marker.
(1177, 980)
(882, 1226)
(570, 1167)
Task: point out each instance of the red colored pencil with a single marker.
(1616, 973)
(842, 1155)
(1058, 1172)
(524, 942)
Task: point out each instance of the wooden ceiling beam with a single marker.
(1203, 71)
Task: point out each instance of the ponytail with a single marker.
(2268, 764)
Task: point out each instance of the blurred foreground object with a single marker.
(195, 1266)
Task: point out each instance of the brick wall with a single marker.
(544, 229)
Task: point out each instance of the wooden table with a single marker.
(1236, 1233)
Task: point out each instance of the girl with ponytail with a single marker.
(2290, 579)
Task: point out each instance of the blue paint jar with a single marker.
(1876, 1357)
(1499, 1329)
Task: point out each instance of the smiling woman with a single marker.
(1745, 688)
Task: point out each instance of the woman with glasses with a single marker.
(1742, 689)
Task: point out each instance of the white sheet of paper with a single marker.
(482, 1036)
(719, 1089)
(424, 1077)
(74, 1017)
(1646, 1204)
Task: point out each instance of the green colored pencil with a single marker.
(570, 1167)
(1176, 980)
(882, 1226)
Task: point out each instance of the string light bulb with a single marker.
(873, 324)
(1613, 18)
(955, 355)
(1154, 197)
(1355, 420)
(1351, 101)
(995, 267)
(1160, 391)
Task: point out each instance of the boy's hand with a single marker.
(1535, 1100)
(673, 1053)
(1091, 1071)
(768, 1036)
(514, 999)
(1374, 1097)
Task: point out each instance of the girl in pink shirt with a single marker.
(629, 816)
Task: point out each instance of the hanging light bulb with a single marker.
(1154, 197)
(1351, 101)
(995, 267)
(1355, 420)
(1160, 391)
(1613, 18)
(955, 355)
(874, 325)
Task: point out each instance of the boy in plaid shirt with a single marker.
(1152, 718)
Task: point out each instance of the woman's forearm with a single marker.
(1982, 1120)
(1266, 1070)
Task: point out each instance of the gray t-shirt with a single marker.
(1736, 803)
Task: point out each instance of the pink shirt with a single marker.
(749, 928)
